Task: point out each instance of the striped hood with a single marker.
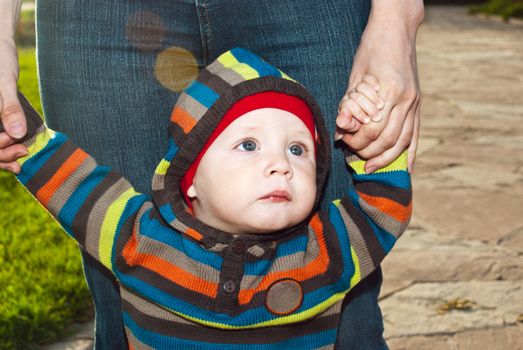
(235, 74)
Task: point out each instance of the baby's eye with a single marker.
(296, 150)
(247, 145)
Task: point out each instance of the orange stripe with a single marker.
(167, 270)
(70, 165)
(312, 269)
(182, 118)
(389, 207)
(194, 234)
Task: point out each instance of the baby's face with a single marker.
(258, 176)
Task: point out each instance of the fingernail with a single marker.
(337, 136)
(366, 120)
(376, 117)
(16, 129)
(370, 169)
(21, 154)
(381, 104)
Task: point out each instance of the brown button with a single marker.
(238, 246)
(229, 286)
(284, 297)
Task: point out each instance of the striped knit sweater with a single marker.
(187, 285)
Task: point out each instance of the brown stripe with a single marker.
(178, 258)
(227, 74)
(167, 286)
(137, 345)
(69, 186)
(49, 168)
(357, 242)
(214, 82)
(80, 221)
(192, 331)
(376, 252)
(98, 213)
(383, 220)
(396, 194)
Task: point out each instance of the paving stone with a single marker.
(513, 240)
(437, 342)
(507, 338)
(414, 310)
(468, 213)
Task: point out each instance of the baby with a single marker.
(231, 251)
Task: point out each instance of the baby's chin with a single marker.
(266, 228)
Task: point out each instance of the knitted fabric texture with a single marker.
(185, 285)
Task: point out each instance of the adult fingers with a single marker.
(388, 156)
(13, 167)
(413, 147)
(390, 134)
(11, 113)
(9, 150)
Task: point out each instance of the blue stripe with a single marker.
(161, 341)
(167, 212)
(153, 229)
(202, 93)
(247, 318)
(35, 163)
(77, 198)
(343, 238)
(172, 150)
(262, 67)
(131, 209)
(399, 178)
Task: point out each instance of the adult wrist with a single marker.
(398, 15)
(9, 13)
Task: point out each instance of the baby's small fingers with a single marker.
(372, 81)
(363, 108)
(371, 94)
(355, 109)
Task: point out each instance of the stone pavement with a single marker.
(455, 279)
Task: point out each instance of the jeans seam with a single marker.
(205, 30)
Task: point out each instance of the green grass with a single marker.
(504, 8)
(42, 285)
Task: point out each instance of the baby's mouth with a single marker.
(277, 196)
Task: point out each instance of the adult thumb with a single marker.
(12, 115)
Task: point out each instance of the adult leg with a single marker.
(110, 73)
(314, 42)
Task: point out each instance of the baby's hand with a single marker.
(359, 106)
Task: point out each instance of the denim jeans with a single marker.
(110, 73)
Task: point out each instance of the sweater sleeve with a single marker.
(372, 215)
(93, 204)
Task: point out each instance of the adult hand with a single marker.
(11, 114)
(388, 52)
